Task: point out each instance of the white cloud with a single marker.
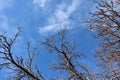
(60, 17)
(47, 29)
(40, 3)
(73, 7)
(53, 27)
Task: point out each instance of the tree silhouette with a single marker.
(105, 21)
(68, 59)
(66, 54)
(21, 68)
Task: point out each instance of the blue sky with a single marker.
(40, 18)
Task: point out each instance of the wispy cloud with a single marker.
(4, 21)
(5, 4)
(40, 3)
(54, 27)
(3, 18)
(60, 18)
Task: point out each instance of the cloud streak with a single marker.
(40, 3)
(60, 18)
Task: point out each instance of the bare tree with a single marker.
(106, 22)
(68, 58)
(19, 67)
